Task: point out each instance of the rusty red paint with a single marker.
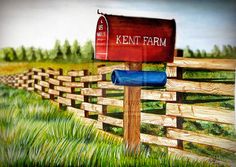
(134, 39)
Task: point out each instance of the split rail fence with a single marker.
(74, 90)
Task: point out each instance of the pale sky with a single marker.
(38, 23)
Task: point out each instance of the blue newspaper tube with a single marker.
(138, 78)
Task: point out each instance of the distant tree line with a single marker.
(227, 51)
(60, 52)
(76, 53)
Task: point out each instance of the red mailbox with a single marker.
(134, 39)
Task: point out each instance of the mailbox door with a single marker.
(101, 48)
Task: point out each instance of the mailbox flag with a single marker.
(138, 78)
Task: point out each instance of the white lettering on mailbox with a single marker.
(118, 41)
(126, 39)
(136, 40)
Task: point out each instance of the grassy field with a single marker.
(219, 130)
(19, 67)
(35, 133)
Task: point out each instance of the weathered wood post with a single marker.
(52, 73)
(60, 84)
(134, 40)
(179, 96)
(86, 98)
(30, 80)
(104, 93)
(132, 114)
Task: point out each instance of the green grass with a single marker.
(19, 67)
(157, 107)
(35, 133)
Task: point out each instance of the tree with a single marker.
(198, 53)
(204, 53)
(56, 52)
(2, 55)
(52, 54)
(88, 51)
(21, 53)
(188, 52)
(75, 51)
(216, 51)
(225, 51)
(45, 54)
(30, 55)
(66, 50)
(234, 52)
(230, 50)
(38, 54)
(10, 54)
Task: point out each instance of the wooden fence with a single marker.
(76, 90)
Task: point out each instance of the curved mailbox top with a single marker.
(135, 39)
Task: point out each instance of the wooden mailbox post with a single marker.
(134, 40)
(131, 109)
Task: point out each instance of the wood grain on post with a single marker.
(132, 112)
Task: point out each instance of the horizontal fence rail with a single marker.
(76, 90)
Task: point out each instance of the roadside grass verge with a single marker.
(35, 133)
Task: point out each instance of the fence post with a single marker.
(131, 120)
(86, 98)
(179, 97)
(104, 107)
(51, 86)
(21, 81)
(29, 82)
(60, 84)
(35, 81)
(43, 78)
(72, 91)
